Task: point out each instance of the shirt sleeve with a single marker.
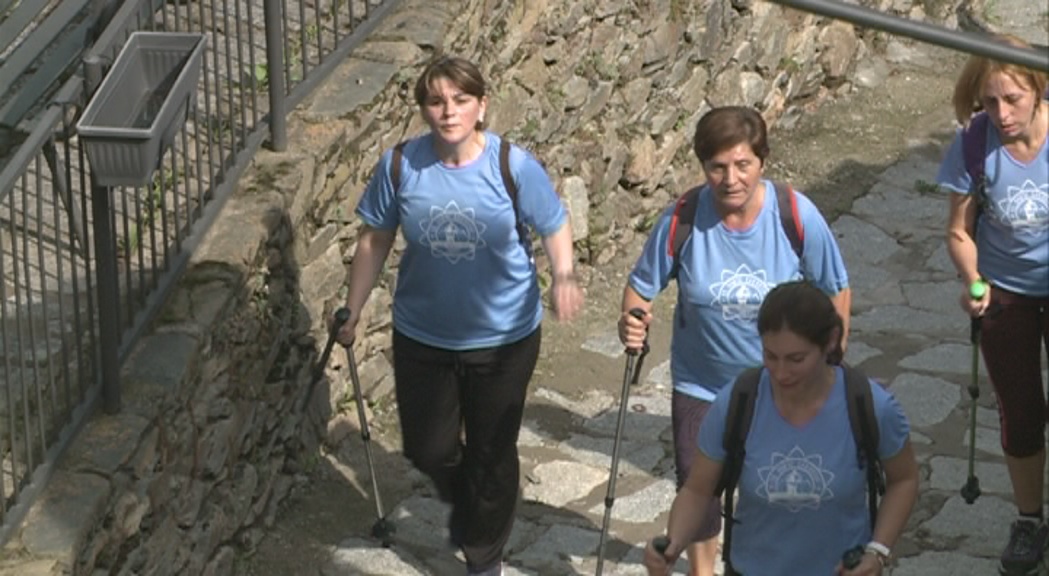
(538, 202)
(952, 174)
(378, 205)
(821, 262)
(711, 440)
(651, 273)
(893, 427)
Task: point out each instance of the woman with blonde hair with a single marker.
(997, 173)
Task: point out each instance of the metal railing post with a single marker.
(275, 74)
(106, 285)
(980, 45)
(108, 296)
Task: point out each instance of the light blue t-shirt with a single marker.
(723, 279)
(465, 280)
(1012, 234)
(802, 494)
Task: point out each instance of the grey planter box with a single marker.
(140, 106)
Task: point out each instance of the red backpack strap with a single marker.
(681, 223)
(395, 165)
(789, 217)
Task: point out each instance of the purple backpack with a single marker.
(974, 152)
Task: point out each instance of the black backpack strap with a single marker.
(504, 170)
(737, 426)
(864, 425)
(395, 165)
(788, 215)
(681, 223)
(511, 190)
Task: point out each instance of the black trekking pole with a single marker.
(383, 529)
(971, 490)
(634, 359)
(342, 315)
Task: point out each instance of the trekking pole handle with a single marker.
(640, 315)
(660, 544)
(977, 290)
(342, 316)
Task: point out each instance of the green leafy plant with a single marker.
(925, 187)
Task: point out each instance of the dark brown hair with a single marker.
(459, 71)
(804, 310)
(723, 128)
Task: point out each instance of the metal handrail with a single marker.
(132, 253)
(969, 42)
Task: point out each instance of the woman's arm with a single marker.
(687, 512)
(901, 491)
(901, 478)
(632, 331)
(843, 306)
(961, 246)
(373, 246)
(566, 296)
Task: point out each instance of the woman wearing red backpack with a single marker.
(726, 243)
(997, 173)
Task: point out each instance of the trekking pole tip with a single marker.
(383, 530)
(971, 490)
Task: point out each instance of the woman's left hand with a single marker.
(870, 565)
(566, 296)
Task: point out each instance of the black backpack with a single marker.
(863, 421)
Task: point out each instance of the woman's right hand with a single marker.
(632, 330)
(975, 307)
(658, 563)
(348, 331)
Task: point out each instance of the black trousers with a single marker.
(460, 414)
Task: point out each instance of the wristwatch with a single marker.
(879, 551)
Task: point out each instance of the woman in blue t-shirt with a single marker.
(802, 496)
(466, 308)
(737, 249)
(999, 234)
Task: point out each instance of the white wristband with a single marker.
(881, 550)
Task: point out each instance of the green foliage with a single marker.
(151, 211)
(644, 225)
(262, 75)
(789, 64)
(926, 187)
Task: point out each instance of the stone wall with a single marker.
(605, 92)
